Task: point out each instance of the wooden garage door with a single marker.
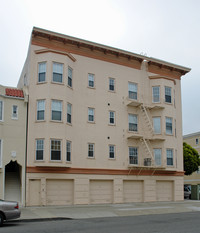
(101, 191)
(133, 191)
(164, 190)
(60, 192)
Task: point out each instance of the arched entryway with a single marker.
(13, 181)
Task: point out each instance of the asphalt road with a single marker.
(163, 223)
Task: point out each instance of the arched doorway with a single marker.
(13, 181)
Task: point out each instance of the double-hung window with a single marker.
(57, 72)
(42, 72)
(39, 149)
(132, 91)
(111, 84)
(56, 110)
(133, 155)
(157, 125)
(69, 82)
(91, 150)
(156, 94)
(168, 94)
(169, 153)
(1, 110)
(197, 141)
(91, 80)
(68, 151)
(111, 151)
(133, 122)
(157, 156)
(168, 125)
(55, 149)
(69, 113)
(111, 117)
(40, 110)
(14, 112)
(91, 114)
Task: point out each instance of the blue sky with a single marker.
(167, 30)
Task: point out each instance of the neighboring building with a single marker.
(104, 125)
(13, 110)
(194, 141)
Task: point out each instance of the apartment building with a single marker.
(104, 125)
(13, 110)
(194, 141)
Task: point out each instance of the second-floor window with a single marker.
(132, 91)
(91, 150)
(133, 122)
(111, 117)
(68, 151)
(91, 114)
(56, 110)
(40, 110)
(57, 72)
(14, 112)
(157, 156)
(133, 155)
(169, 153)
(157, 125)
(91, 80)
(156, 94)
(39, 149)
(168, 94)
(1, 110)
(69, 82)
(111, 151)
(168, 125)
(69, 113)
(111, 84)
(55, 149)
(42, 72)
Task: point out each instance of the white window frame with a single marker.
(156, 94)
(57, 109)
(169, 120)
(133, 155)
(68, 151)
(157, 156)
(42, 68)
(91, 115)
(40, 110)
(1, 110)
(132, 90)
(111, 84)
(171, 158)
(57, 70)
(69, 113)
(39, 149)
(156, 127)
(91, 80)
(56, 140)
(70, 77)
(132, 122)
(167, 94)
(111, 117)
(111, 151)
(14, 115)
(90, 146)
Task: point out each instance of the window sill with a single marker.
(91, 122)
(90, 157)
(54, 121)
(111, 159)
(55, 161)
(112, 91)
(52, 82)
(38, 83)
(70, 87)
(39, 161)
(91, 87)
(111, 124)
(15, 119)
(39, 121)
(70, 124)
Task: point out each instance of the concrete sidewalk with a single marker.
(106, 210)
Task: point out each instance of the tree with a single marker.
(191, 159)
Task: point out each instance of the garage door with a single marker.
(60, 192)
(101, 191)
(133, 191)
(164, 190)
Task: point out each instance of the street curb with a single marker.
(41, 219)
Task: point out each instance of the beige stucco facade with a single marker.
(13, 110)
(194, 141)
(121, 164)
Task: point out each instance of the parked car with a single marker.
(187, 192)
(9, 210)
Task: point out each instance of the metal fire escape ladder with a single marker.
(146, 117)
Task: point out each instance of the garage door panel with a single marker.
(164, 190)
(133, 191)
(101, 191)
(60, 192)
